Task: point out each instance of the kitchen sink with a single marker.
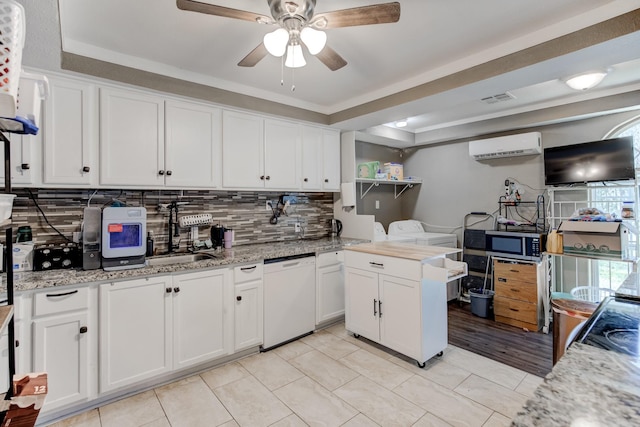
(179, 259)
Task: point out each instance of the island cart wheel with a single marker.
(439, 354)
(356, 335)
(421, 365)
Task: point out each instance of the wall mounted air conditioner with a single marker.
(523, 144)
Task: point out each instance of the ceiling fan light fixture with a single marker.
(585, 81)
(276, 42)
(295, 58)
(314, 40)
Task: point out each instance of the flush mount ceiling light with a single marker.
(585, 81)
(401, 123)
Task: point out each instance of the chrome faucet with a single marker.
(174, 226)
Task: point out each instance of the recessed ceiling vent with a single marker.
(501, 97)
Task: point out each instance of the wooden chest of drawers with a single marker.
(516, 300)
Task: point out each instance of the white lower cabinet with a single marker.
(248, 306)
(135, 331)
(156, 325)
(407, 314)
(64, 344)
(329, 286)
(201, 323)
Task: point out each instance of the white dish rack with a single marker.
(195, 220)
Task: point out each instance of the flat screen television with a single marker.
(604, 160)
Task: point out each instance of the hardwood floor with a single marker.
(531, 352)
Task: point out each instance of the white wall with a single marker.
(454, 184)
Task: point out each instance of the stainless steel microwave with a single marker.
(515, 244)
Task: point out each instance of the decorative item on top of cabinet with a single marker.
(519, 290)
(70, 133)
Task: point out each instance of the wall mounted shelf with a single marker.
(370, 183)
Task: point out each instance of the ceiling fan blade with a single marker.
(212, 9)
(331, 59)
(254, 56)
(366, 15)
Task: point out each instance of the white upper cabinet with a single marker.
(259, 153)
(282, 154)
(320, 159)
(131, 139)
(330, 160)
(69, 133)
(192, 149)
(242, 150)
(23, 168)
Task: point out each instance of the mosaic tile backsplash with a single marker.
(54, 215)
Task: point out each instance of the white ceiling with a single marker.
(433, 39)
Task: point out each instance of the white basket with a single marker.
(6, 205)
(12, 32)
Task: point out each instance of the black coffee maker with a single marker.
(217, 236)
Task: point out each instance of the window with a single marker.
(610, 274)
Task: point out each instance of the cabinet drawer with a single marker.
(514, 309)
(329, 258)
(247, 273)
(517, 290)
(60, 300)
(506, 272)
(398, 267)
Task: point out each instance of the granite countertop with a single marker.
(25, 281)
(588, 387)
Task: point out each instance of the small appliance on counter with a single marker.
(336, 227)
(124, 237)
(217, 236)
(91, 240)
(52, 257)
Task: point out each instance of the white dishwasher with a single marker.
(289, 299)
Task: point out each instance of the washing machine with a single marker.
(380, 235)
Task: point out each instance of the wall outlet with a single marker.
(267, 205)
(297, 227)
(377, 204)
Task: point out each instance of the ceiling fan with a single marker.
(298, 25)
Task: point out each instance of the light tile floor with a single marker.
(329, 379)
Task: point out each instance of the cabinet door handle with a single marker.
(169, 173)
(64, 294)
(239, 298)
(268, 178)
(375, 301)
(160, 172)
(86, 169)
(176, 290)
(379, 308)
(262, 177)
(514, 309)
(25, 166)
(248, 268)
(376, 264)
(514, 271)
(306, 180)
(501, 279)
(17, 343)
(326, 180)
(168, 290)
(515, 290)
(83, 329)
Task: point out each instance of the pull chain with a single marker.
(282, 70)
(293, 80)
